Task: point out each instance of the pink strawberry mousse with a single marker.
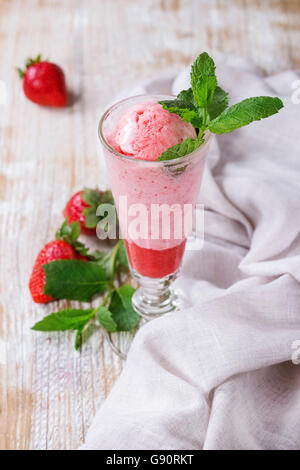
(146, 130)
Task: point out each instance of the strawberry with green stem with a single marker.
(53, 251)
(75, 279)
(82, 207)
(44, 82)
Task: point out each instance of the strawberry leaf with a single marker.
(70, 233)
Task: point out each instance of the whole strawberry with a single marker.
(44, 83)
(53, 251)
(82, 208)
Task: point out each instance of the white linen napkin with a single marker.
(220, 375)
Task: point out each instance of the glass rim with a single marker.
(104, 142)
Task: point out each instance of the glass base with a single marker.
(154, 297)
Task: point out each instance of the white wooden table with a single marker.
(48, 392)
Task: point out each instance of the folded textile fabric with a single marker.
(220, 374)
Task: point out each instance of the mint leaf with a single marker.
(105, 317)
(179, 107)
(188, 97)
(122, 310)
(180, 150)
(74, 279)
(219, 103)
(185, 106)
(245, 112)
(203, 79)
(68, 319)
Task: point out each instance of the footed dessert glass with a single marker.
(152, 200)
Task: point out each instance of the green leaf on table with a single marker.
(122, 310)
(182, 149)
(245, 112)
(219, 103)
(203, 79)
(67, 319)
(105, 317)
(74, 279)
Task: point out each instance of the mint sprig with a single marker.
(205, 104)
(76, 279)
(115, 314)
(118, 315)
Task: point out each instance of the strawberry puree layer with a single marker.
(146, 130)
(154, 263)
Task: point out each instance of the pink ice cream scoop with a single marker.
(146, 130)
